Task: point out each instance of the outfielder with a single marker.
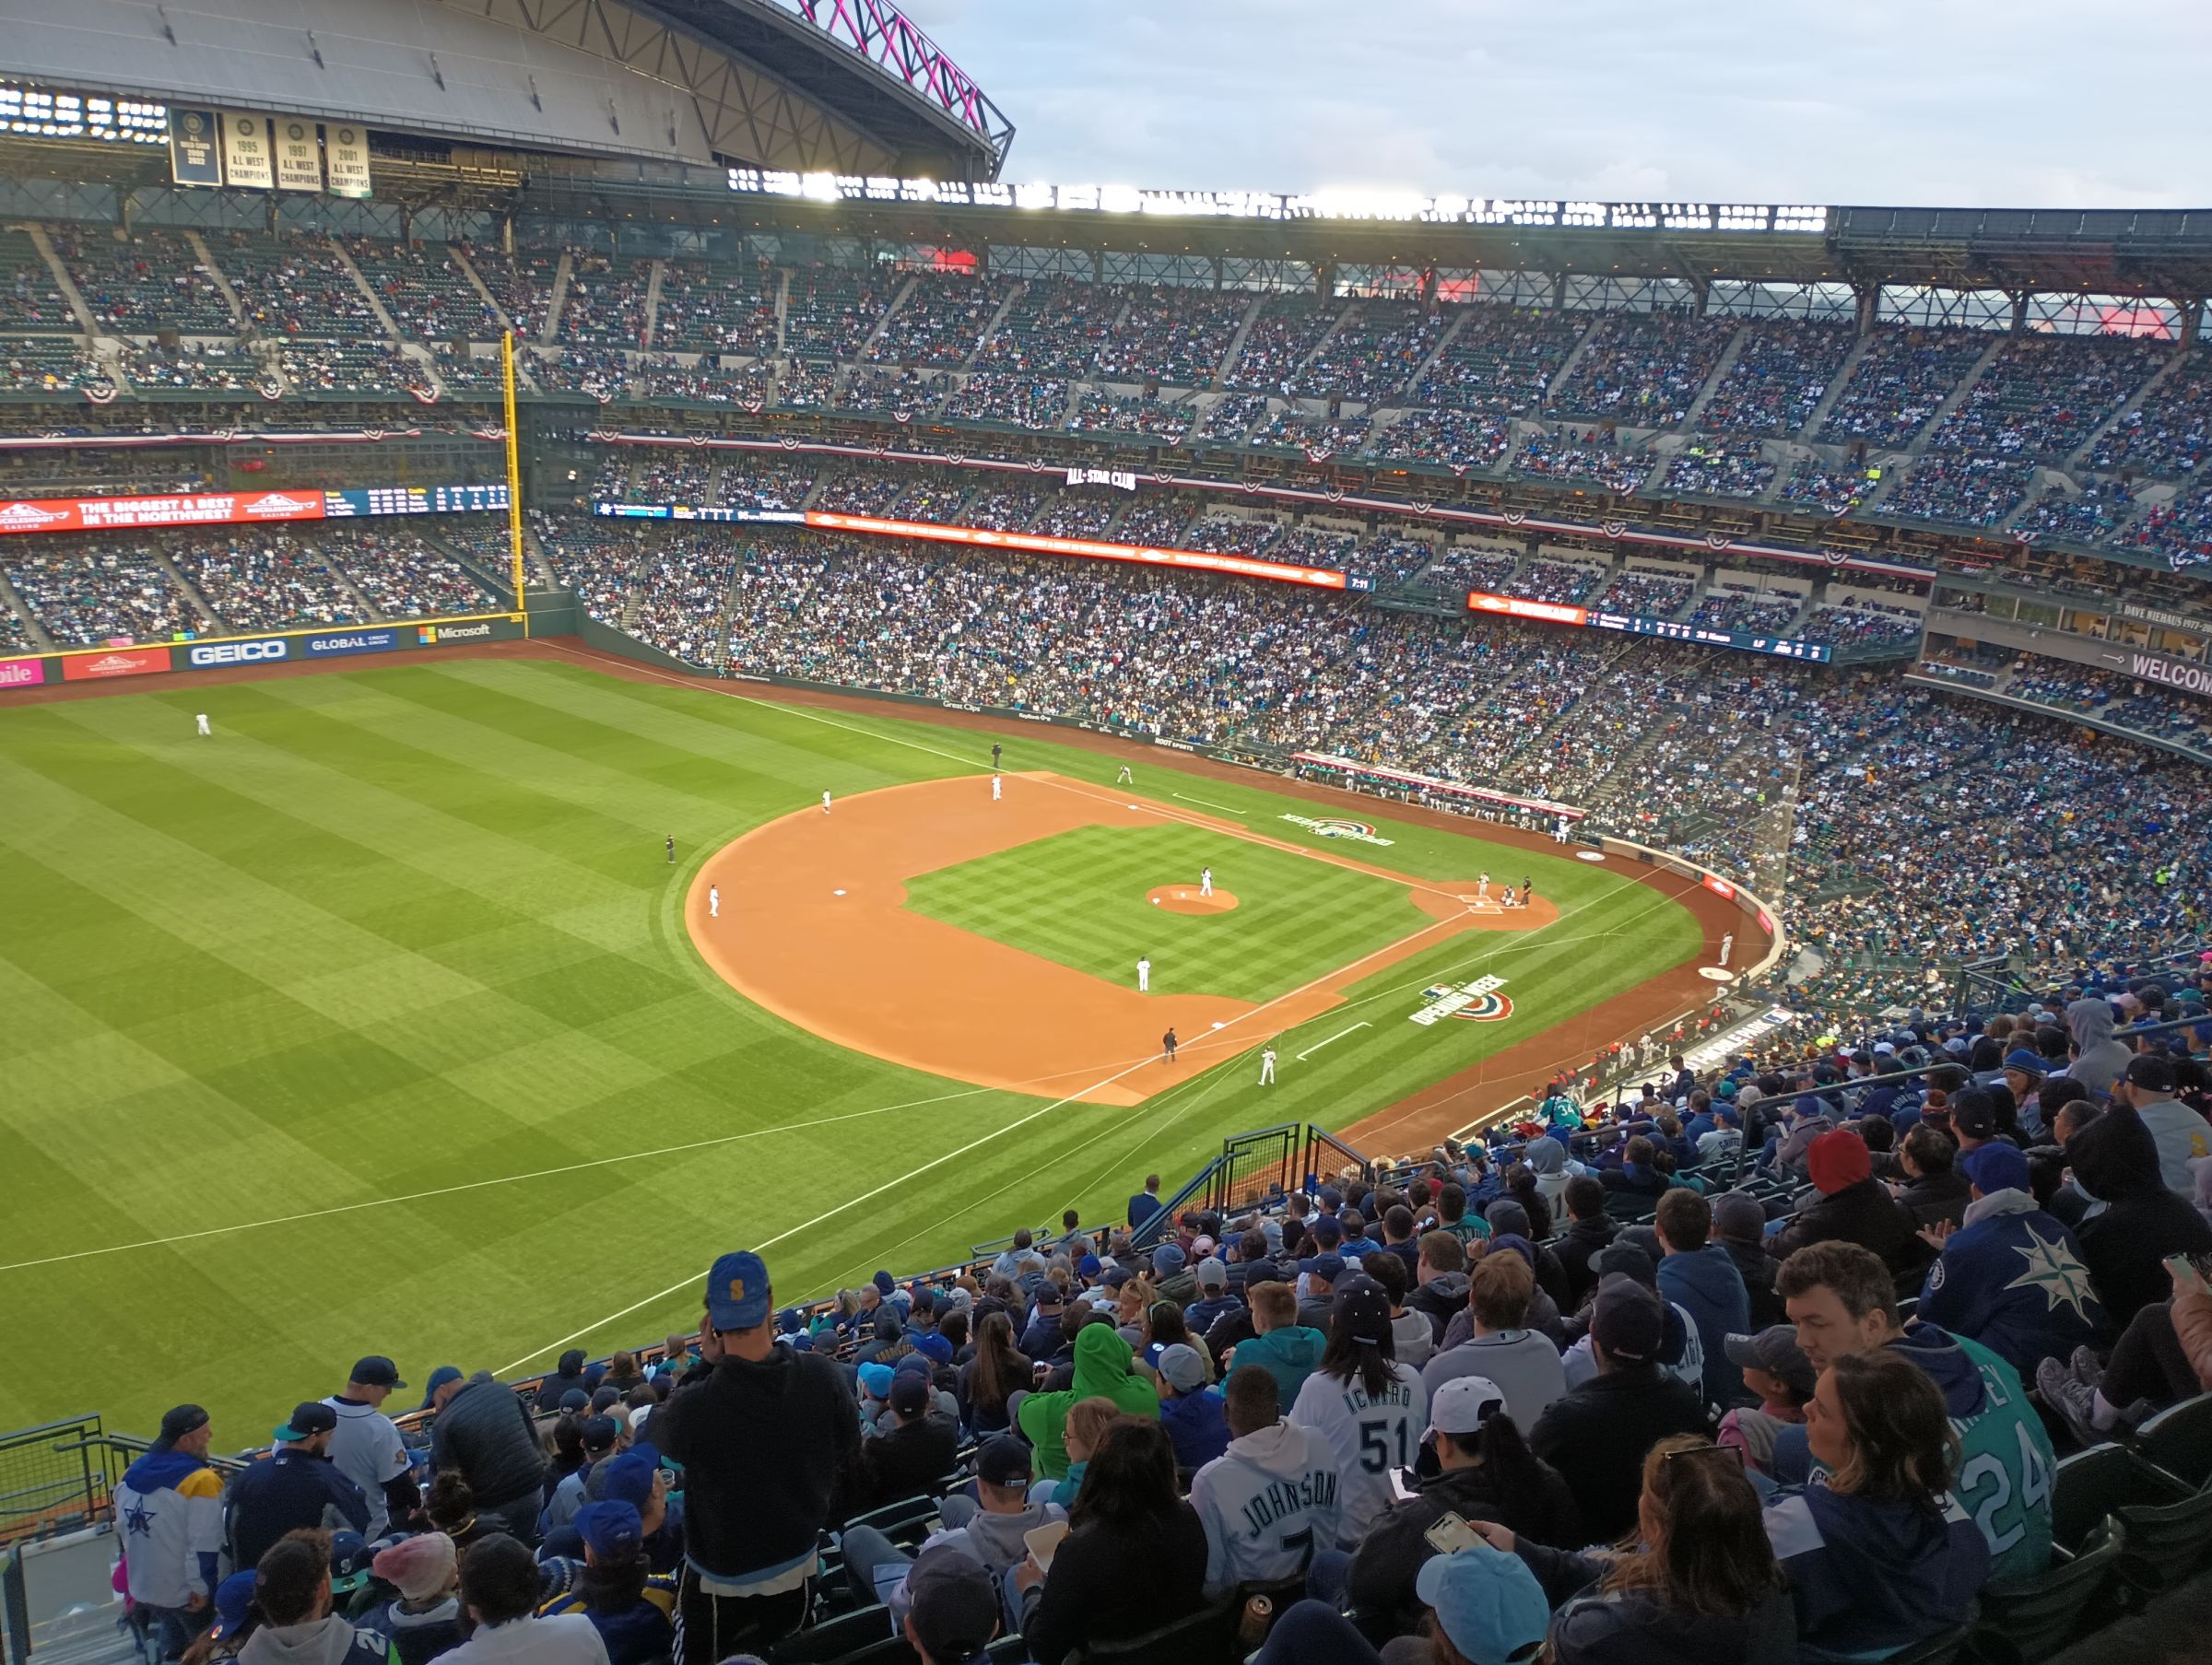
(672, 849)
(202, 721)
(713, 901)
(996, 791)
(1206, 881)
(825, 803)
(1144, 974)
(1267, 1065)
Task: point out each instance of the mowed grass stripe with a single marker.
(342, 1039)
(1080, 898)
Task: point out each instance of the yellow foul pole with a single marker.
(515, 479)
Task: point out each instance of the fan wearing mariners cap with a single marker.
(1487, 1606)
(1485, 1473)
(915, 1442)
(632, 1609)
(2012, 1276)
(1370, 1409)
(292, 1490)
(366, 1446)
(761, 1441)
(1596, 1434)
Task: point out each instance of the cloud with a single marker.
(1967, 101)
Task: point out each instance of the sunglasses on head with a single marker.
(1734, 1454)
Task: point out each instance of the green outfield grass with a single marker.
(369, 1025)
(1079, 898)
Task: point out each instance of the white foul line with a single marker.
(1208, 804)
(1338, 1036)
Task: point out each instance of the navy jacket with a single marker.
(1871, 1577)
(292, 1490)
(1707, 1285)
(2013, 1278)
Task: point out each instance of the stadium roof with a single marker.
(848, 84)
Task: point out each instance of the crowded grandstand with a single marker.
(1857, 1312)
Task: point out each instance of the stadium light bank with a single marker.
(1796, 218)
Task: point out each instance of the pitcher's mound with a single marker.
(1184, 898)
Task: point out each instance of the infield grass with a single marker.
(1079, 898)
(370, 1025)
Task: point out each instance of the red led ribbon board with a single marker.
(1188, 560)
(190, 508)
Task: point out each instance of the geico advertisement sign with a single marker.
(203, 655)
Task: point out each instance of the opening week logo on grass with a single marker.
(1334, 827)
(1478, 1002)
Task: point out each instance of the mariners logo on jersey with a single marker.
(1478, 1001)
(1337, 826)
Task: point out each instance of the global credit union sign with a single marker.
(350, 641)
(202, 654)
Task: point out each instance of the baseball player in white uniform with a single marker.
(1482, 887)
(1124, 777)
(713, 901)
(997, 791)
(202, 721)
(825, 803)
(1206, 881)
(1267, 1065)
(1144, 974)
(1727, 946)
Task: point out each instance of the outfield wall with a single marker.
(324, 644)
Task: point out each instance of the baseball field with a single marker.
(381, 1021)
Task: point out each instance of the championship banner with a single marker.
(299, 156)
(246, 158)
(197, 509)
(193, 158)
(345, 158)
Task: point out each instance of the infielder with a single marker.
(202, 721)
(1267, 1065)
(713, 901)
(1206, 881)
(1124, 777)
(825, 803)
(997, 789)
(1144, 974)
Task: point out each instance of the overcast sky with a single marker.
(1973, 102)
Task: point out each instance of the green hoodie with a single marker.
(1101, 1371)
(1289, 1354)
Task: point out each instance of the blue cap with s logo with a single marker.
(737, 1295)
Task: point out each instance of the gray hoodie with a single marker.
(325, 1641)
(2102, 1059)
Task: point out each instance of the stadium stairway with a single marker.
(376, 306)
(1721, 368)
(1832, 392)
(1957, 397)
(1236, 342)
(222, 282)
(653, 298)
(557, 303)
(44, 241)
(2077, 459)
(476, 281)
(24, 616)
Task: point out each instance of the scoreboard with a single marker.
(414, 499)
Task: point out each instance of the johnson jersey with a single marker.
(1266, 1503)
(1370, 1437)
